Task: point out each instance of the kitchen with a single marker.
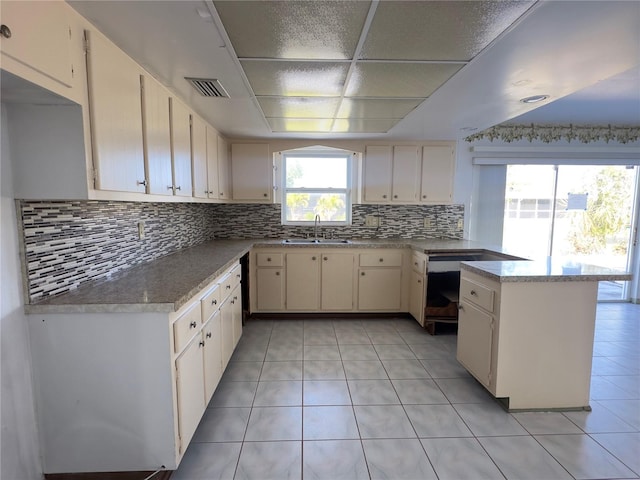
(183, 222)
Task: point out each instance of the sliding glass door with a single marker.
(582, 212)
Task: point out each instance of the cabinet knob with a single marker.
(193, 324)
(313, 258)
(208, 335)
(228, 287)
(326, 258)
(277, 274)
(237, 275)
(419, 281)
(265, 195)
(384, 196)
(381, 260)
(202, 344)
(395, 196)
(460, 307)
(138, 182)
(5, 31)
(362, 274)
(222, 194)
(415, 263)
(232, 302)
(207, 192)
(169, 187)
(235, 297)
(214, 302)
(424, 196)
(473, 292)
(178, 187)
(268, 259)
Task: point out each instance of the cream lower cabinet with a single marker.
(126, 391)
(529, 354)
(418, 286)
(380, 281)
(328, 280)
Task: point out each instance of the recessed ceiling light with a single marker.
(534, 98)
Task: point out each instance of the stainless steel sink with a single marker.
(318, 241)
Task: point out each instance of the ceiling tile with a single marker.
(299, 107)
(406, 80)
(300, 124)
(377, 108)
(293, 29)
(363, 125)
(295, 79)
(438, 30)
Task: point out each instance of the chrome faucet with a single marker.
(316, 222)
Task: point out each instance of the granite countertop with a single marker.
(552, 269)
(166, 284)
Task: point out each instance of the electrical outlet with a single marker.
(371, 221)
(460, 224)
(140, 230)
(427, 222)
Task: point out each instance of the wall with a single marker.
(69, 243)
(19, 454)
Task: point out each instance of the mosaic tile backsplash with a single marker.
(69, 243)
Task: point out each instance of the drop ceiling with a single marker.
(386, 69)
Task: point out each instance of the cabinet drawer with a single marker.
(381, 259)
(269, 259)
(419, 263)
(236, 276)
(476, 293)
(210, 302)
(186, 327)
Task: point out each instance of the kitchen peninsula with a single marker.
(137, 329)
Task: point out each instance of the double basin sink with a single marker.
(316, 241)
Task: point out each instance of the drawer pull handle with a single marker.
(5, 31)
(228, 287)
(214, 302)
(209, 335)
(193, 324)
(473, 292)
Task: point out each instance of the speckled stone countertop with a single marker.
(166, 284)
(553, 269)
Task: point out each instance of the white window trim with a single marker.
(346, 191)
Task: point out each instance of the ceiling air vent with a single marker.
(208, 87)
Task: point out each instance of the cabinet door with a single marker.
(156, 136)
(303, 281)
(337, 281)
(190, 389)
(437, 174)
(40, 37)
(212, 355)
(226, 331)
(270, 289)
(199, 157)
(251, 171)
(406, 171)
(116, 117)
(236, 315)
(180, 147)
(224, 178)
(377, 174)
(417, 296)
(475, 334)
(212, 163)
(379, 289)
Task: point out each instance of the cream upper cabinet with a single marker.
(116, 117)
(224, 179)
(303, 281)
(405, 175)
(251, 171)
(199, 157)
(157, 135)
(438, 165)
(377, 174)
(180, 148)
(40, 37)
(337, 281)
(212, 163)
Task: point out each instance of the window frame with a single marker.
(347, 191)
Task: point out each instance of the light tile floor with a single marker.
(382, 399)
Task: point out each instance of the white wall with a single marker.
(19, 453)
